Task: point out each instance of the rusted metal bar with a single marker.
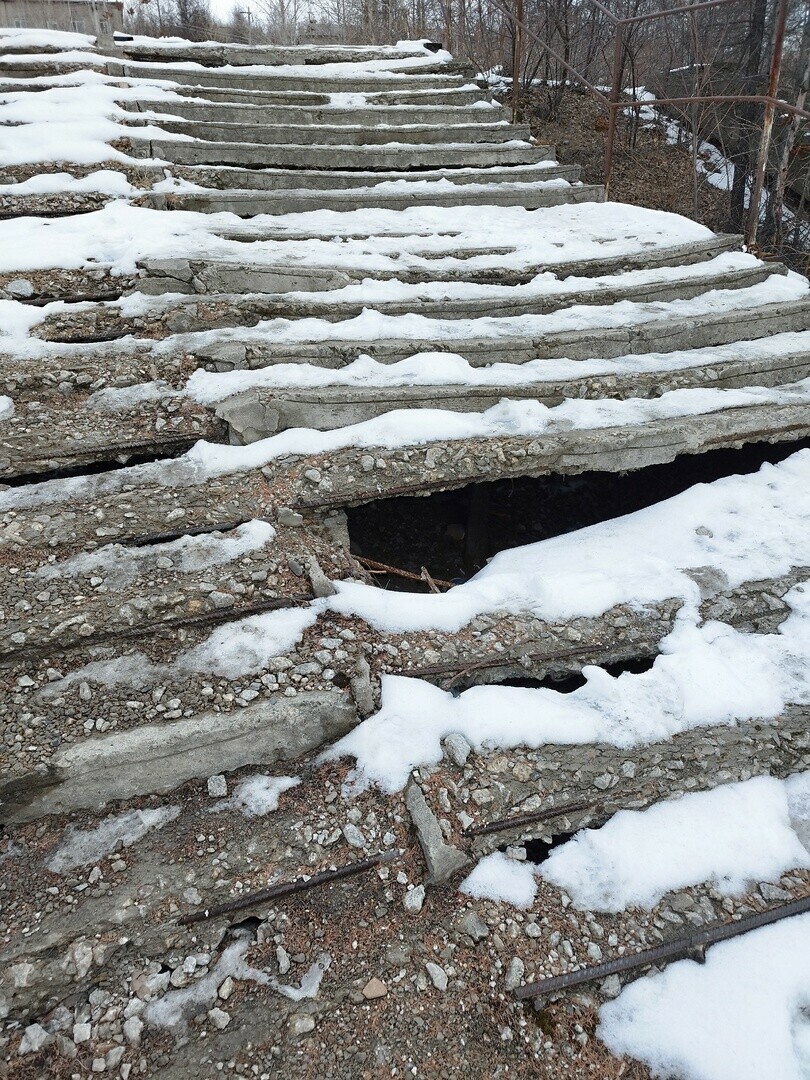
(767, 123)
(719, 99)
(499, 660)
(162, 627)
(664, 12)
(517, 59)
(384, 568)
(615, 91)
(669, 950)
(290, 888)
(519, 820)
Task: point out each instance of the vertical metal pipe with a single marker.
(517, 59)
(615, 91)
(767, 123)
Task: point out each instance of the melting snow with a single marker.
(81, 846)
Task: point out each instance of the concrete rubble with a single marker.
(172, 625)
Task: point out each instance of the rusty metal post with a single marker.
(615, 91)
(767, 123)
(517, 59)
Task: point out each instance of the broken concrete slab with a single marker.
(443, 860)
(160, 757)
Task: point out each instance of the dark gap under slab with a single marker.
(567, 684)
(454, 533)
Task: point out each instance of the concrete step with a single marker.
(252, 275)
(249, 203)
(214, 54)
(439, 77)
(145, 499)
(463, 96)
(65, 432)
(163, 317)
(265, 411)
(321, 114)
(226, 177)
(346, 135)
(391, 156)
(662, 331)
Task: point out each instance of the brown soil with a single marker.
(646, 172)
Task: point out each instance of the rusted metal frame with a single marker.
(615, 91)
(669, 950)
(517, 60)
(519, 820)
(719, 99)
(290, 888)
(752, 222)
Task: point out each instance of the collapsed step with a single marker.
(319, 470)
(65, 433)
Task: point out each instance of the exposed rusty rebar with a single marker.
(669, 950)
(395, 571)
(519, 820)
(289, 888)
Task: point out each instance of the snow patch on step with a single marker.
(740, 1016)
(729, 837)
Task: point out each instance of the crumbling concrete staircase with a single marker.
(129, 664)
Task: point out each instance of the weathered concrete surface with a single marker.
(214, 54)
(664, 334)
(230, 177)
(418, 132)
(439, 76)
(258, 414)
(219, 275)
(160, 757)
(316, 113)
(533, 196)
(292, 155)
(135, 501)
(222, 310)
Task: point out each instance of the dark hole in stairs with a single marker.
(567, 684)
(538, 850)
(454, 533)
